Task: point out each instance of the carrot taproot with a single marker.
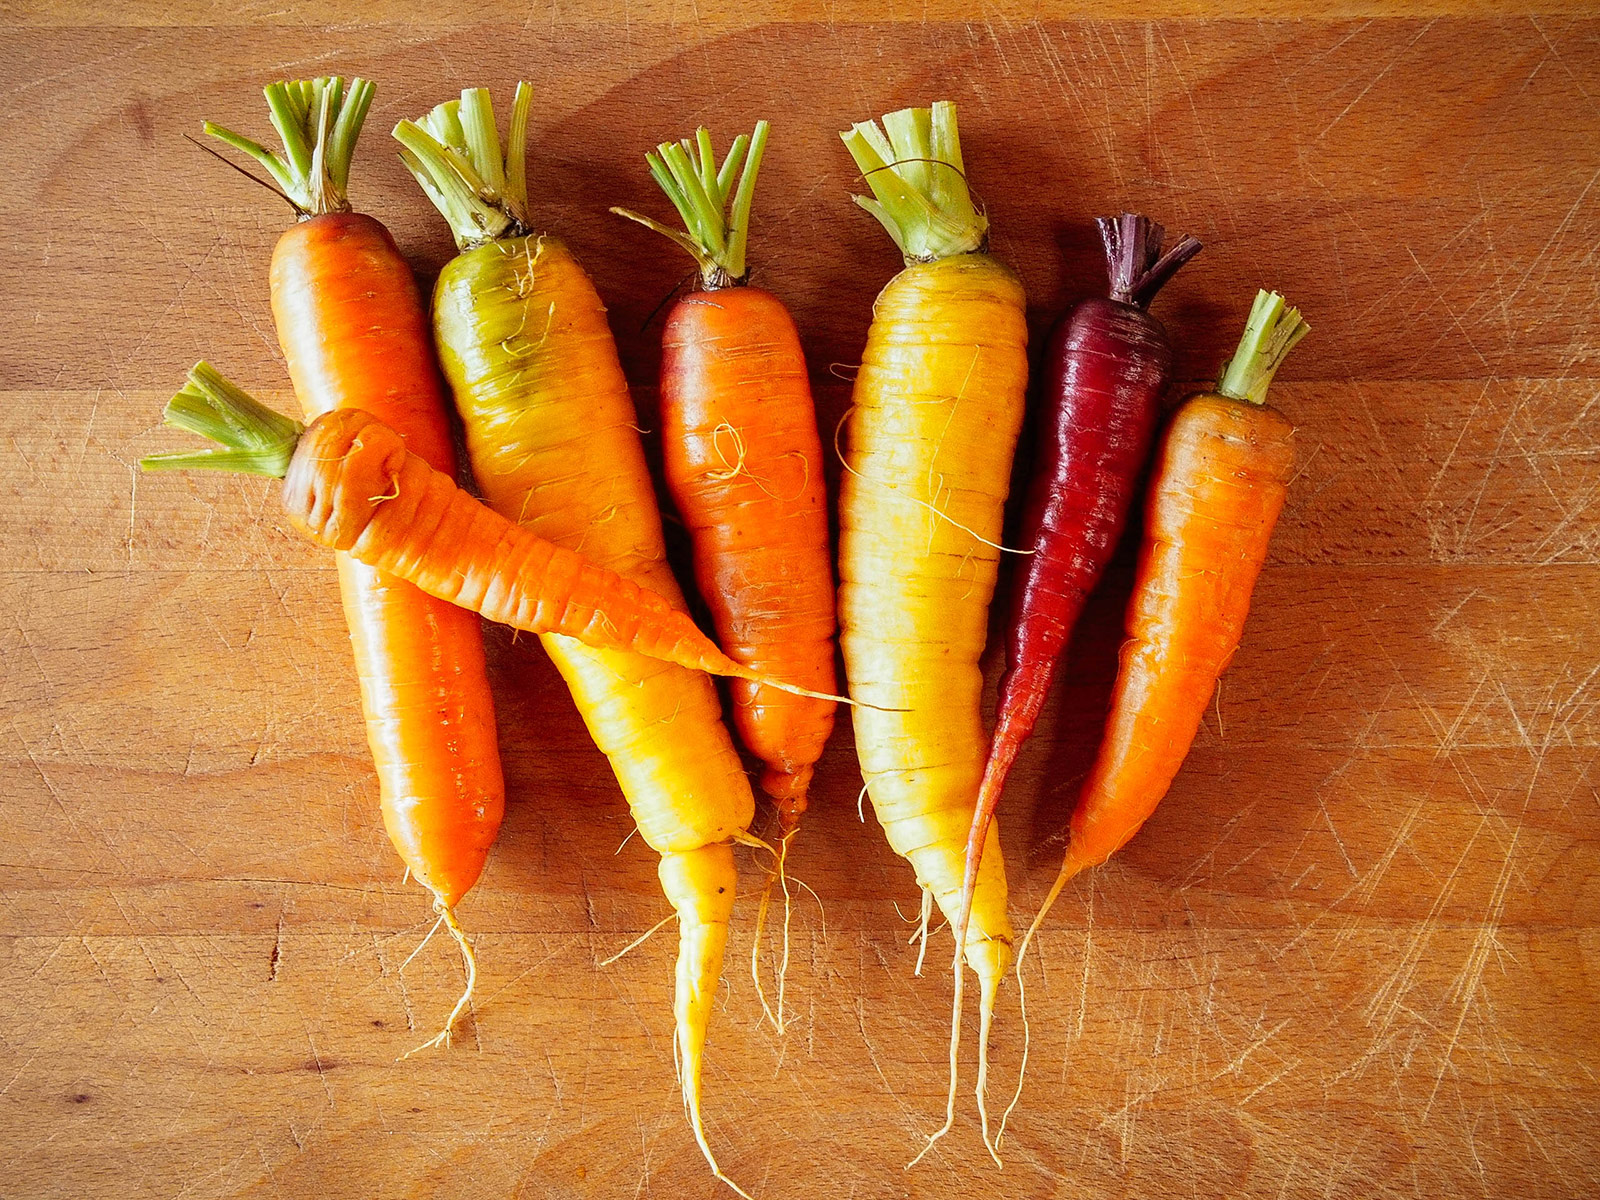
(1221, 475)
(353, 330)
(1106, 366)
(744, 467)
(936, 411)
(553, 440)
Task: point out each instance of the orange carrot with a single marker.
(355, 333)
(1221, 475)
(744, 464)
(350, 484)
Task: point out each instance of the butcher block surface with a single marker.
(1354, 953)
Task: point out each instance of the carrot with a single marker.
(350, 484)
(352, 328)
(744, 466)
(937, 407)
(1221, 475)
(1107, 364)
(553, 441)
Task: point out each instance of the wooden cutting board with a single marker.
(1354, 953)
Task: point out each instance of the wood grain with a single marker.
(1356, 952)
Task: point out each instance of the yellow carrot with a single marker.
(937, 407)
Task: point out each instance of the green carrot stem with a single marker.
(318, 122)
(1271, 332)
(914, 167)
(716, 215)
(252, 438)
(454, 151)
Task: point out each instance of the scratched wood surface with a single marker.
(1355, 952)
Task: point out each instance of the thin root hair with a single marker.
(638, 941)
(469, 959)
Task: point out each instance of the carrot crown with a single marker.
(715, 213)
(1137, 267)
(318, 122)
(253, 439)
(1271, 332)
(454, 151)
(919, 185)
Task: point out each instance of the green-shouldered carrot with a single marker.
(554, 443)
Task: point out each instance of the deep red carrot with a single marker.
(1107, 363)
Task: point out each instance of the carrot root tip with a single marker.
(469, 958)
(755, 958)
(1070, 867)
(955, 1055)
(920, 934)
(985, 1022)
(778, 875)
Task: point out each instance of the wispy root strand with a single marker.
(448, 916)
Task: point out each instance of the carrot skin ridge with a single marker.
(354, 333)
(744, 466)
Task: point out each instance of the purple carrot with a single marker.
(1107, 365)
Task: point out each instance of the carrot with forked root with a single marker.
(744, 465)
(354, 333)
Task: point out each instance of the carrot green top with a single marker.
(454, 151)
(1270, 333)
(252, 438)
(715, 213)
(919, 185)
(319, 123)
